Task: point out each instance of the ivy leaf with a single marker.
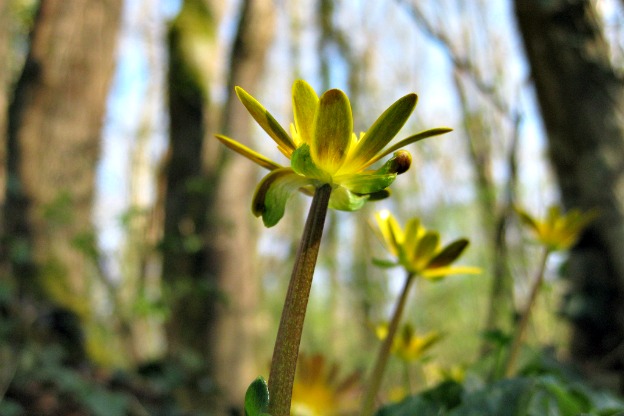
(257, 398)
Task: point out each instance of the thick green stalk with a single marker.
(374, 382)
(520, 331)
(286, 350)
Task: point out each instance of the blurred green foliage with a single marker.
(542, 389)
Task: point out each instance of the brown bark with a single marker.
(233, 251)
(582, 104)
(4, 94)
(187, 196)
(209, 240)
(55, 121)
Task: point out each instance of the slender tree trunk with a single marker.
(209, 244)
(582, 104)
(4, 106)
(4, 94)
(233, 251)
(55, 120)
(188, 194)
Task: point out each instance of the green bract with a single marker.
(418, 250)
(323, 149)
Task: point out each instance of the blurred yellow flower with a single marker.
(409, 346)
(319, 392)
(435, 373)
(418, 250)
(558, 231)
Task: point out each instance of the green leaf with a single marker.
(434, 402)
(333, 128)
(385, 264)
(383, 130)
(344, 200)
(305, 106)
(257, 398)
(265, 119)
(273, 192)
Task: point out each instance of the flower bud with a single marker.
(399, 163)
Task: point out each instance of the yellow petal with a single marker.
(445, 271)
(333, 128)
(305, 106)
(390, 231)
(265, 119)
(412, 139)
(382, 131)
(248, 153)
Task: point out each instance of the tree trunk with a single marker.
(4, 94)
(192, 42)
(209, 243)
(582, 104)
(55, 120)
(233, 250)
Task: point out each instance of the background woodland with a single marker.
(133, 277)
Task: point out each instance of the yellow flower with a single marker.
(418, 250)
(408, 346)
(323, 149)
(319, 392)
(435, 373)
(558, 231)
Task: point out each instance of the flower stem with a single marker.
(286, 349)
(512, 358)
(374, 382)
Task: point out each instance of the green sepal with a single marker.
(344, 200)
(366, 182)
(399, 163)
(385, 264)
(257, 398)
(273, 192)
(302, 163)
(379, 195)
